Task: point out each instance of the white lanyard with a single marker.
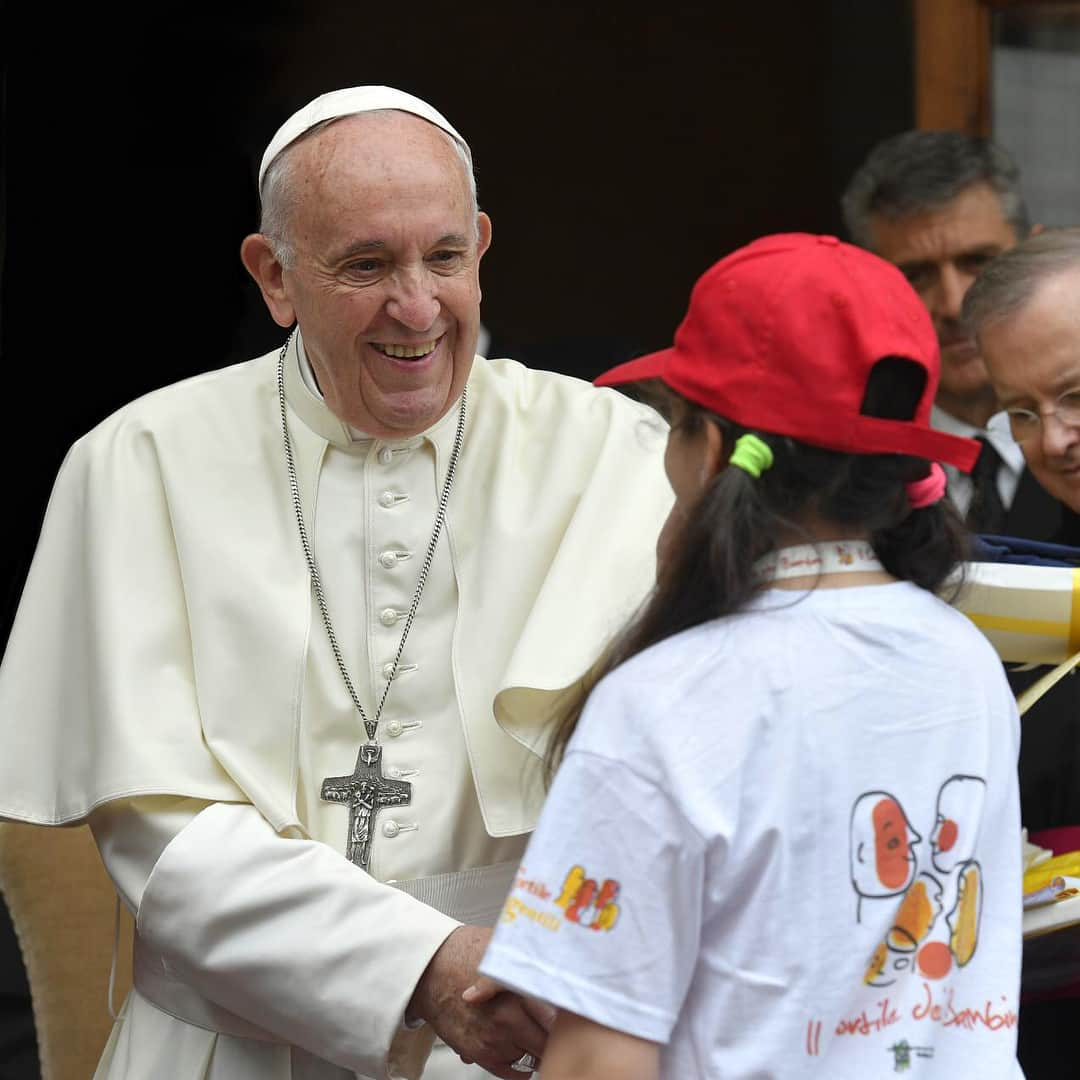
(824, 557)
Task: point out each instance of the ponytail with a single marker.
(739, 519)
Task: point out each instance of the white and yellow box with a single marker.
(1030, 614)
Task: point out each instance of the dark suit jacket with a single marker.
(1050, 731)
(1035, 514)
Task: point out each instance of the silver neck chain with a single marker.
(371, 726)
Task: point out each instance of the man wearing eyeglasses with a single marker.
(1025, 310)
(940, 205)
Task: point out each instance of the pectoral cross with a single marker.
(367, 792)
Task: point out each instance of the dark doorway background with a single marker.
(618, 155)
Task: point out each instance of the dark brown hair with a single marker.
(739, 519)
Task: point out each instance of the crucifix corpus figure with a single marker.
(367, 792)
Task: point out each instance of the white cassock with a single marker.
(169, 678)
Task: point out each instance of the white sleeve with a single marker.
(604, 918)
(285, 933)
(132, 834)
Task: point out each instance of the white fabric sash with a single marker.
(474, 897)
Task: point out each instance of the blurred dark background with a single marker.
(618, 154)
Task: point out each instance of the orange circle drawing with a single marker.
(935, 960)
(947, 835)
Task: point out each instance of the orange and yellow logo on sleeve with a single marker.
(586, 903)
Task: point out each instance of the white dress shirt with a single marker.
(960, 486)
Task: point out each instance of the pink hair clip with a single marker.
(928, 490)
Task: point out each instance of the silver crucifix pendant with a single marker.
(367, 792)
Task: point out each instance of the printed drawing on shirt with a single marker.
(932, 884)
(586, 903)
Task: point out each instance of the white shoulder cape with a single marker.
(160, 644)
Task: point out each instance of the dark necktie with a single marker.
(987, 512)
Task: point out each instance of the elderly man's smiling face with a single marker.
(940, 252)
(1033, 357)
(385, 282)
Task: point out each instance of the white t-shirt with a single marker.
(787, 844)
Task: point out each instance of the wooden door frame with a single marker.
(952, 61)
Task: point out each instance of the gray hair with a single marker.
(277, 197)
(1008, 283)
(917, 171)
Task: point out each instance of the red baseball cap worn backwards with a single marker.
(781, 335)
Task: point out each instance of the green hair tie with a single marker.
(752, 455)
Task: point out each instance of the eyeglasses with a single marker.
(1026, 424)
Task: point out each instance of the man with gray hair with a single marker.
(947, 209)
(941, 205)
(1025, 313)
(294, 628)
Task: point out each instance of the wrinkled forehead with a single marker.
(386, 140)
(971, 220)
(390, 182)
(1049, 314)
(357, 163)
(1035, 350)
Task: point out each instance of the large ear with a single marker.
(483, 230)
(717, 451)
(262, 264)
(483, 241)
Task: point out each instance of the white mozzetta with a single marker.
(161, 646)
(168, 645)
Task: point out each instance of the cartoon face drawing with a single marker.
(959, 809)
(919, 941)
(882, 843)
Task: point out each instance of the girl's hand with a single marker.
(484, 989)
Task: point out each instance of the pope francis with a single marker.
(293, 629)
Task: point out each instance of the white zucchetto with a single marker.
(348, 102)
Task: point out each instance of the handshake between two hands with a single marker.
(483, 1022)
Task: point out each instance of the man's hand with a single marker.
(491, 1028)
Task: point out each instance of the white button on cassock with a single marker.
(388, 616)
(390, 829)
(386, 499)
(394, 728)
(386, 455)
(388, 560)
(388, 669)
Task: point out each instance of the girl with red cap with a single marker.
(742, 868)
